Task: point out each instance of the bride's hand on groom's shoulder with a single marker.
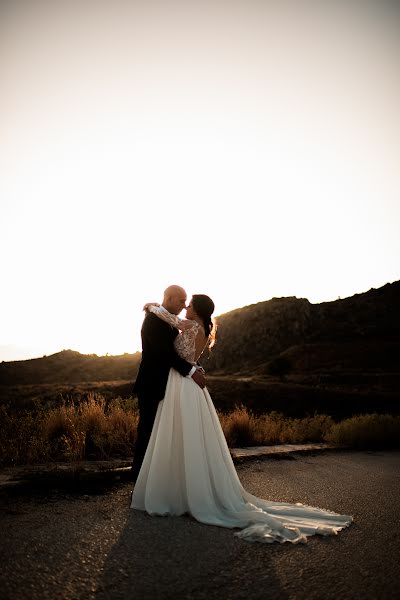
(148, 304)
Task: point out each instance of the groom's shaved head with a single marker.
(174, 299)
(173, 290)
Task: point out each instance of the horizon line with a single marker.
(107, 355)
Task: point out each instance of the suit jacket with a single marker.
(158, 357)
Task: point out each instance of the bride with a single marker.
(188, 468)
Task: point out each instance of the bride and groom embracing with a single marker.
(182, 463)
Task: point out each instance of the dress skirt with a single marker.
(188, 469)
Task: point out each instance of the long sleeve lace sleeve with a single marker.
(185, 341)
(174, 320)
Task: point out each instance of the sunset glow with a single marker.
(245, 150)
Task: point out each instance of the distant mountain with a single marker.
(69, 366)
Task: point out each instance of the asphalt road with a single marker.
(66, 545)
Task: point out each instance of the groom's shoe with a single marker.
(130, 476)
(134, 477)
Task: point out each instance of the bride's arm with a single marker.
(174, 320)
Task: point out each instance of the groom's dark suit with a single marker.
(158, 357)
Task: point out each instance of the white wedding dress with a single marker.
(188, 468)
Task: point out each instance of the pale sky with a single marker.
(245, 149)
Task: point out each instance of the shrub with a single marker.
(89, 430)
(21, 437)
(119, 430)
(63, 433)
(366, 431)
(95, 429)
(93, 424)
(242, 428)
(269, 428)
(238, 427)
(309, 429)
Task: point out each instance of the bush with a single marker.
(309, 429)
(21, 437)
(95, 429)
(367, 431)
(239, 427)
(90, 430)
(242, 428)
(63, 434)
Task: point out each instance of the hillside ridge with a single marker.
(281, 336)
(361, 331)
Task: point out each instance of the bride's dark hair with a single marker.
(204, 307)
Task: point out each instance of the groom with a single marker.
(158, 357)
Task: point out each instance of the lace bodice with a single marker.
(185, 341)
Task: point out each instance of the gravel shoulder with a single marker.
(85, 542)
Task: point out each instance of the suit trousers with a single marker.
(147, 414)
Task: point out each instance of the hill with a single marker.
(69, 366)
(291, 335)
(288, 355)
(284, 354)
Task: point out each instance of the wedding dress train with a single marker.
(188, 469)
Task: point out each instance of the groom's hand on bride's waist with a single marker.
(199, 377)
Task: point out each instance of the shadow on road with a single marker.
(177, 557)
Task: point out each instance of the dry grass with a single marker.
(89, 430)
(242, 428)
(21, 437)
(367, 431)
(96, 429)
(92, 430)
